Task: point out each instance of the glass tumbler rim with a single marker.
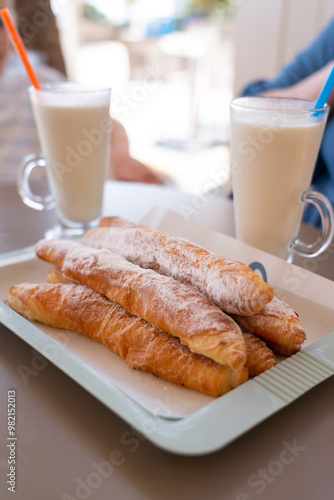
(249, 103)
(68, 86)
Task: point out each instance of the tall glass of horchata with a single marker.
(74, 125)
(274, 146)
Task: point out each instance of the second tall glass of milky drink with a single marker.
(74, 126)
(274, 147)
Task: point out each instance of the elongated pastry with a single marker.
(55, 275)
(231, 285)
(277, 323)
(165, 303)
(283, 350)
(265, 323)
(259, 357)
(142, 346)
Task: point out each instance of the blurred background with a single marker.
(173, 66)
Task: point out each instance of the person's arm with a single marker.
(311, 61)
(123, 166)
(308, 88)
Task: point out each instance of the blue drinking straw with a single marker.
(325, 91)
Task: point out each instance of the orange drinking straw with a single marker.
(18, 45)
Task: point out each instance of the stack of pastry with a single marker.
(164, 305)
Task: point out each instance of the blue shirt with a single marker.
(313, 58)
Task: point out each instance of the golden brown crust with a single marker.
(114, 221)
(277, 323)
(233, 286)
(283, 350)
(160, 300)
(259, 356)
(142, 346)
(56, 276)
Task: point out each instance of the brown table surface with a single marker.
(67, 440)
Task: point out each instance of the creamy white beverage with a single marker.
(272, 164)
(74, 131)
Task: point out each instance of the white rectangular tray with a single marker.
(177, 419)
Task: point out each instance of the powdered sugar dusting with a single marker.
(230, 284)
(167, 304)
(277, 322)
(279, 309)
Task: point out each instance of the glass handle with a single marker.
(28, 197)
(325, 238)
